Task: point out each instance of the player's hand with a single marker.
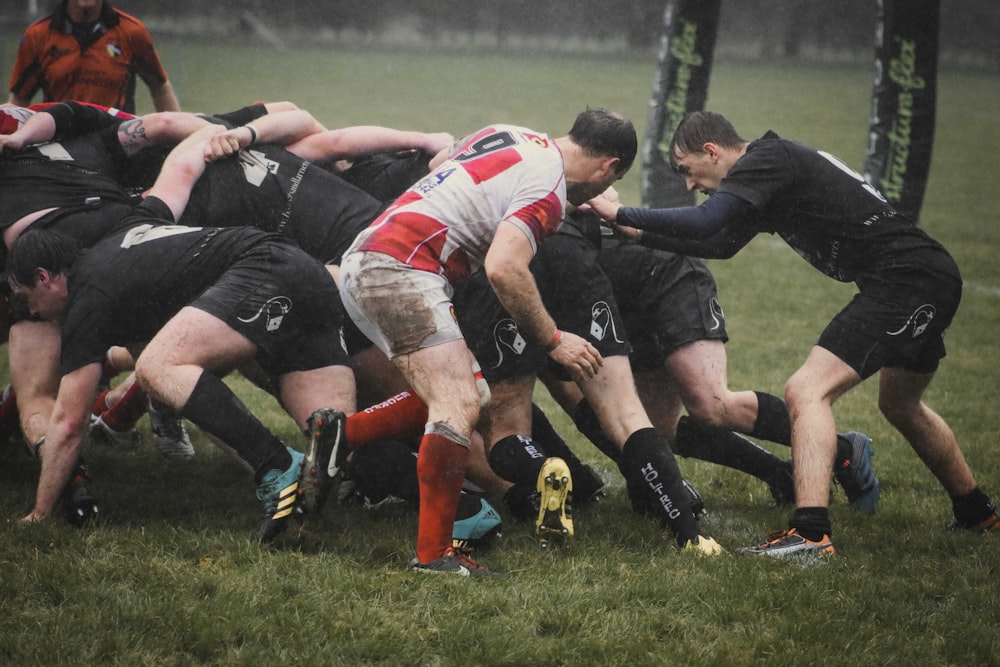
(612, 195)
(604, 206)
(227, 143)
(627, 234)
(435, 142)
(579, 356)
(10, 143)
(31, 517)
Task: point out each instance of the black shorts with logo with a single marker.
(574, 290)
(896, 325)
(286, 303)
(667, 301)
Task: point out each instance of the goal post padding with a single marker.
(680, 86)
(904, 98)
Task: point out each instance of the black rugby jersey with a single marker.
(75, 172)
(269, 187)
(128, 285)
(826, 212)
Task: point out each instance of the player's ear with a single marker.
(41, 276)
(611, 165)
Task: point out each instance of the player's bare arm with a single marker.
(158, 129)
(360, 140)
(286, 127)
(67, 428)
(36, 130)
(507, 269)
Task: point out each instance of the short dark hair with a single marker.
(602, 132)
(700, 127)
(40, 249)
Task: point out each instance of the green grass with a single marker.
(168, 576)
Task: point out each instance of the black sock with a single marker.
(650, 469)
(772, 422)
(716, 445)
(517, 459)
(588, 424)
(811, 523)
(214, 408)
(972, 508)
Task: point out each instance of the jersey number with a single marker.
(487, 145)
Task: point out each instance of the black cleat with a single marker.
(78, 505)
(326, 456)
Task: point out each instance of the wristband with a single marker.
(556, 339)
(253, 135)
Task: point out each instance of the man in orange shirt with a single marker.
(89, 51)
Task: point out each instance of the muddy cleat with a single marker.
(453, 562)
(481, 522)
(169, 435)
(703, 545)
(855, 474)
(554, 524)
(279, 492)
(788, 543)
(78, 505)
(130, 438)
(326, 455)
(990, 524)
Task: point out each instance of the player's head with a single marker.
(37, 266)
(699, 128)
(604, 133)
(83, 11)
(704, 148)
(603, 148)
(40, 249)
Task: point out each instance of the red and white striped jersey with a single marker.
(447, 220)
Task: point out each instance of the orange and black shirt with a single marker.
(95, 63)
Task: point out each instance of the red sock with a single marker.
(441, 473)
(108, 372)
(8, 409)
(101, 404)
(401, 417)
(127, 410)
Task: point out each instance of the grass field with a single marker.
(169, 577)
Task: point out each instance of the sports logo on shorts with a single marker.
(601, 322)
(506, 336)
(717, 315)
(919, 320)
(274, 310)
